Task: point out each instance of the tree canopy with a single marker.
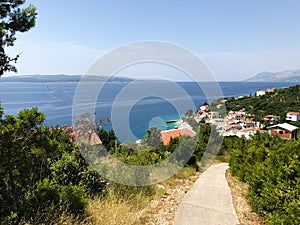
(13, 19)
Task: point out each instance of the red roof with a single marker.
(270, 116)
(293, 113)
(168, 134)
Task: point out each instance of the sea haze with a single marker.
(55, 99)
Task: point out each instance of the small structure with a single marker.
(272, 118)
(284, 130)
(248, 123)
(260, 93)
(293, 116)
(270, 89)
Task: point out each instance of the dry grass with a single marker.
(136, 209)
(115, 210)
(243, 209)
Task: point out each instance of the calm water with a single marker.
(56, 99)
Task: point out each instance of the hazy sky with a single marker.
(236, 39)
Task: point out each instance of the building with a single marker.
(293, 116)
(284, 130)
(166, 135)
(246, 132)
(271, 118)
(260, 93)
(263, 92)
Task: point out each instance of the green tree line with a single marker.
(278, 103)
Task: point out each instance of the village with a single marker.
(238, 123)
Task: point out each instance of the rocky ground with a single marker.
(162, 211)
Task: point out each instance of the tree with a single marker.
(40, 169)
(189, 113)
(153, 137)
(13, 20)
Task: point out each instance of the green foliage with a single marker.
(279, 103)
(13, 20)
(40, 169)
(152, 138)
(189, 113)
(271, 167)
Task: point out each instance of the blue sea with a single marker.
(55, 99)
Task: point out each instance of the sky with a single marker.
(235, 39)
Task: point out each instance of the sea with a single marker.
(56, 100)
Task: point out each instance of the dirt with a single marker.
(162, 211)
(243, 209)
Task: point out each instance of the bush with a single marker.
(271, 167)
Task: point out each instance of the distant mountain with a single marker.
(284, 76)
(60, 78)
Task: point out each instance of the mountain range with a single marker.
(61, 78)
(284, 76)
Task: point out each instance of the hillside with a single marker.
(284, 76)
(279, 102)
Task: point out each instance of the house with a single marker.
(263, 92)
(271, 118)
(270, 89)
(247, 132)
(284, 130)
(293, 116)
(248, 123)
(205, 107)
(166, 135)
(237, 116)
(260, 93)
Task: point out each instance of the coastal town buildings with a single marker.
(272, 118)
(284, 130)
(293, 116)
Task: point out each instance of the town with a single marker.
(238, 123)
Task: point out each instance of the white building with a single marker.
(293, 116)
(260, 93)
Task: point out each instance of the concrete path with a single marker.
(209, 201)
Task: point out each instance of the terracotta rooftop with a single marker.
(166, 135)
(293, 113)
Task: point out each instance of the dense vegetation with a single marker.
(44, 175)
(271, 167)
(278, 103)
(41, 171)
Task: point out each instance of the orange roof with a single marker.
(228, 127)
(293, 113)
(270, 116)
(168, 134)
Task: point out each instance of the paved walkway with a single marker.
(209, 201)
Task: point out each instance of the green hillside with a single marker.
(278, 103)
